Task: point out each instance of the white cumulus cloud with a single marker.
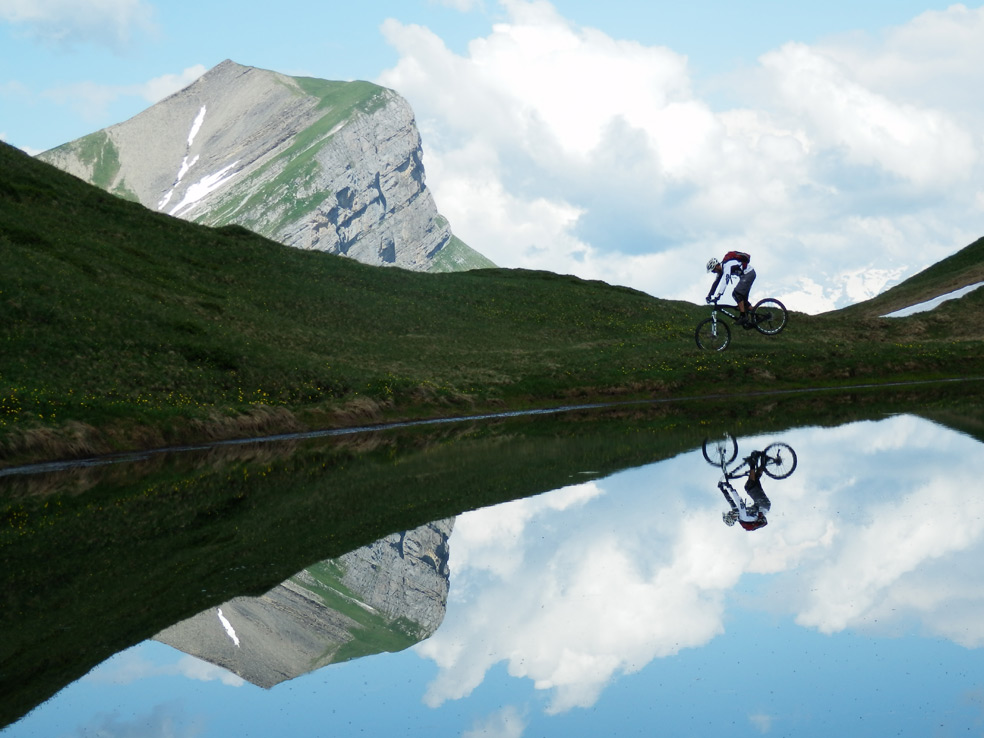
(112, 23)
(554, 146)
(917, 143)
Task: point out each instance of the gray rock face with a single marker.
(383, 597)
(332, 166)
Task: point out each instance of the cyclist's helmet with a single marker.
(729, 517)
(712, 264)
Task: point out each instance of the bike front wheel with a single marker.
(770, 316)
(780, 460)
(712, 335)
(720, 450)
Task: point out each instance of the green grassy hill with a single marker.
(124, 328)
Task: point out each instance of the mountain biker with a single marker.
(751, 517)
(734, 267)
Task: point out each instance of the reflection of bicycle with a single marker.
(768, 317)
(779, 458)
(778, 461)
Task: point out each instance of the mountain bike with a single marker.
(780, 459)
(768, 317)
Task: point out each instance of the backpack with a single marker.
(753, 524)
(740, 256)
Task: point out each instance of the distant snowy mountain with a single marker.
(331, 166)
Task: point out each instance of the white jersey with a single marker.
(731, 270)
(743, 513)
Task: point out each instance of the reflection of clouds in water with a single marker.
(761, 722)
(880, 569)
(131, 666)
(493, 539)
(163, 721)
(576, 586)
(901, 522)
(506, 723)
(589, 595)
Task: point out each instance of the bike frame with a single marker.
(739, 471)
(726, 309)
(767, 316)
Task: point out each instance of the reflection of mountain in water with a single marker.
(383, 597)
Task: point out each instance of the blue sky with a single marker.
(837, 142)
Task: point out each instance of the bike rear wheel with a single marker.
(711, 335)
(720, 450)
(780, 460)
(770, 316)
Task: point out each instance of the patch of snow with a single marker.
(228, 628)
(935, 302)
(185, 166)
(203, 187)
(196, 126)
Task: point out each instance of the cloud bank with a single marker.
(844, 166)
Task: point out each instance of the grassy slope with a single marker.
(373, 632)
(125, 328)
(458, 256)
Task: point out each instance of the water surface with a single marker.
(619, 603)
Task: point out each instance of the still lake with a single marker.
(615, 600)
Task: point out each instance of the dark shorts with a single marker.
(744, 285)
(755, 491)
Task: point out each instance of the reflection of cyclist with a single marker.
(735, 267)
(751, 517)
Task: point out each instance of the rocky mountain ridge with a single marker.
(314, 164)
